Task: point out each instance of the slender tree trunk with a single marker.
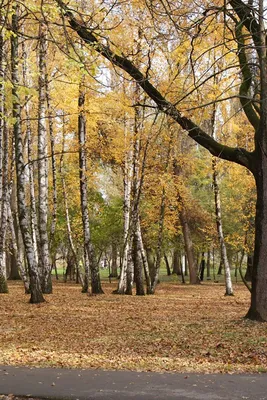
(35, 286)
(4, 195)
(202, 267)
(65, 197)
(43, 165)
(114, 255)
(143, 257)
(91, 264)
(190, 257)
(227, 270)
(208, 265)
(53, 170)
(33, 213)
(16, 251)
(159, 242)
(167, 264)
(4, 211)
(128, 174)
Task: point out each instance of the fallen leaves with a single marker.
(181, 328)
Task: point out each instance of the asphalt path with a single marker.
(79, 384)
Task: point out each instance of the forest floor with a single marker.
(182, 328)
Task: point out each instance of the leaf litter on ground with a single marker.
(181, 328)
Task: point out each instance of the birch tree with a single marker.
(43, 165)
(3, 167)
(35, 285)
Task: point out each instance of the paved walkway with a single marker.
(121, 385)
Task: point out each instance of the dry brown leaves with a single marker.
(181, 328)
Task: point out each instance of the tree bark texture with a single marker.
(44, 259)
(35, 286)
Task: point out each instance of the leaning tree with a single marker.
(245, 22)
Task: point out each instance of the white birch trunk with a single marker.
(43, 165)
(35, 287)
(33, 214)
(218, 214)
(83, 186)
(53, 165)
(16, 252)
(128, 173)
(3, 169)
(143, 257)
(4, 208)
(2, 101)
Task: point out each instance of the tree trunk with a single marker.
(144, 258)
(43, 165)
(65, 198)
(4, 187)
(114, 255)
(54, 173)
(227, 270)
(91, 264)
(16, 241)
(33, 213)
(176, 262)
(202, 267)
(191, 261)
(167, 265)
(208, 265)
(35, 286)
(248, 274)
(138, 270)
(128, 174)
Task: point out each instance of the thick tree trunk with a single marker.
(258, 307)
(35, 286)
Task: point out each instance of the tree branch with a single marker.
(237, 155)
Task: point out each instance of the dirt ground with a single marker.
(182, 328)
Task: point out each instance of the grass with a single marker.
(181, 328)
